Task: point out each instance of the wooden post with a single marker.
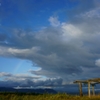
(89, 91)
(93, 91)
(80, 89)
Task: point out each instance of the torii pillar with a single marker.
(80, 89)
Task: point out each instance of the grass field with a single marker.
(59, 96)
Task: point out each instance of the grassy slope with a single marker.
(14, 96)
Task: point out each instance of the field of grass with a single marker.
(59, 96)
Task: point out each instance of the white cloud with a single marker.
(23, 51)
(95, 13)
(70, 31)
(97, 62)
(54, 21)
(3, 74)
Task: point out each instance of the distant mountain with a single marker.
(41, 91)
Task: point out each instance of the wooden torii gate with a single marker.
(90, 82)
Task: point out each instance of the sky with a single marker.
(48, 42)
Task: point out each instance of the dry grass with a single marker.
(18, 96)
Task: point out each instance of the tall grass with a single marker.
(59, 96)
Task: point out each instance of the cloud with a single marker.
(70, 31)
(8, 76)
(92, 13)
(97, 62)
(69, 51)
(2, 74)
(54, 21)
(56, 50)
(23, 80)
(83, 8)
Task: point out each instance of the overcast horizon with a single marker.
(49, 42)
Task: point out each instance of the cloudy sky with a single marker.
(48, 42)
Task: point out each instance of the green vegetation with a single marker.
(59, 96)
